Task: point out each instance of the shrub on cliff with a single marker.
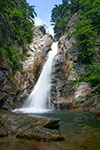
(93, 75)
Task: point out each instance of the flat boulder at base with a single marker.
(29, 127)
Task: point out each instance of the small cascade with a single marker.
(39, 99)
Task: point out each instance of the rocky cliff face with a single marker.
(14, 89)
(66, 91)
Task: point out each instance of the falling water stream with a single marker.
(39, 99)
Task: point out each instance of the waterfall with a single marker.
(39, 99)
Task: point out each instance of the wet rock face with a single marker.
(64, 71)
(32, 128)
(58, 88)
(39, 31)
(7, 88)
(63, 75)
(66, 93)
(73, 20)
(40, 45)
(81, 90)
(14, 90)
(34, 60)
(1, 76)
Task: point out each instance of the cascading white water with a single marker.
(39, 99)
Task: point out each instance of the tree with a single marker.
(59, 18)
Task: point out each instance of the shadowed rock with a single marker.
(29, 127)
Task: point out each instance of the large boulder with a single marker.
(29, 127)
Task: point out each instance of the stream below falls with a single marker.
(80, 129)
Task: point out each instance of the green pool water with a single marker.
(80, 129)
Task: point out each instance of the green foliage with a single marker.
(87, 30)
(87, 27)
(61, 14)
(12, 55)
(86, 35)
(75, 5)
(93, 75)
(60, 27)
(59, 18)
(69, 35)
(16, 23)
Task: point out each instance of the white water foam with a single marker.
(39, 99)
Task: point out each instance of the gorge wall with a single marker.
(69, 92)
(15, 88)
(66, 91)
